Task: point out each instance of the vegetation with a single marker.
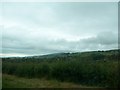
(98, 68)
(11, 81)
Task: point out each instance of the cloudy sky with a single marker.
(43, 28)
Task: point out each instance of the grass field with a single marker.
(99, 69)
(11, 81)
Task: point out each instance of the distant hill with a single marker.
(91, 55)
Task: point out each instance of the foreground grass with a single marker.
(10, 81)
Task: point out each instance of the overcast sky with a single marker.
(44, 28)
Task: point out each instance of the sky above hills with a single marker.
(43, 28)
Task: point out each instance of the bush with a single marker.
(87, 72)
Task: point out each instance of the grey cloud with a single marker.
(104, 38)
(42, 28)
(99, 42)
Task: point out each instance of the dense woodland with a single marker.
(96, 68)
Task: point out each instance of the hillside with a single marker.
(96, 68)
(93, 55)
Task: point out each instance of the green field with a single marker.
(11, 81)
(89, 69)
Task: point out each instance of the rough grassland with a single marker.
(97, 68)
(10, 81)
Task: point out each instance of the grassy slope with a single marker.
(10, 81)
